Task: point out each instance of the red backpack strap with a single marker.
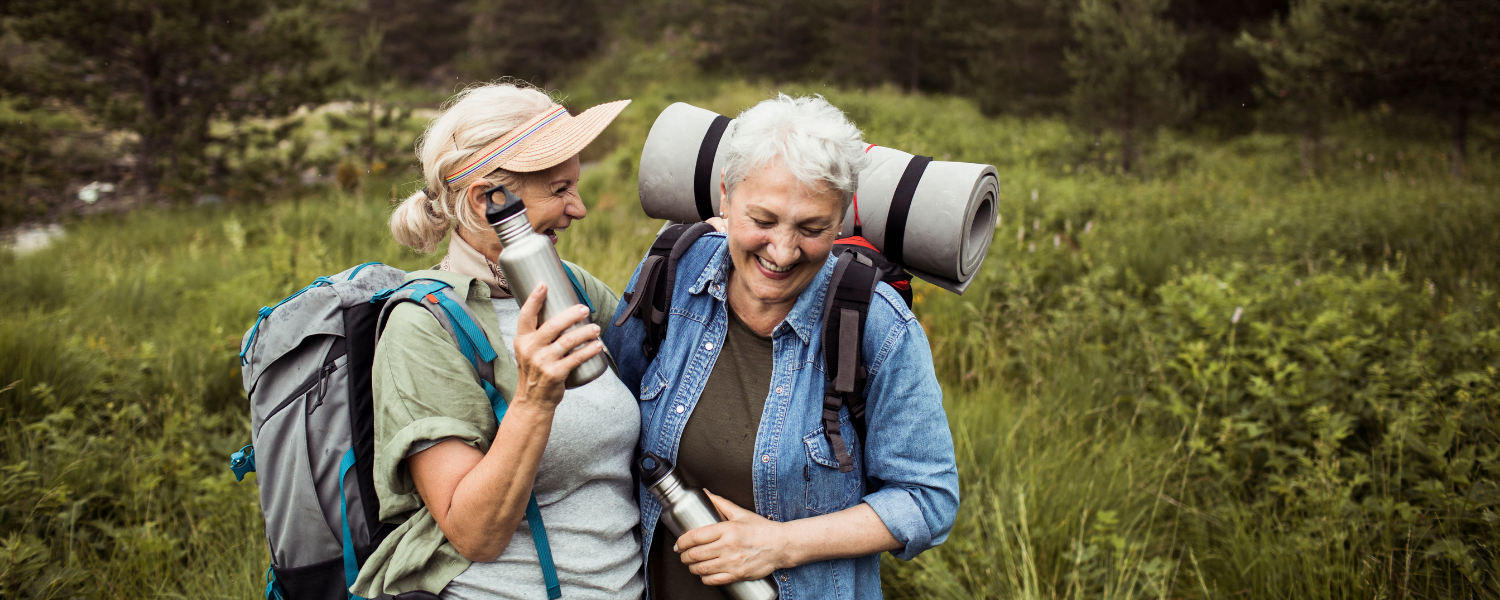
(890, 272)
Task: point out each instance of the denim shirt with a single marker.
(907, 473)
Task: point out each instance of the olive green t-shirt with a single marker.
(717, 449)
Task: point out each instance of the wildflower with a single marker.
(1056, 240)
(1088, 227)
(1033, 194)
(1235, 320)
(1032, 247)
(1021, 233)
(1036, 224)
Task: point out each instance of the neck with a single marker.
(488, 245)
(762, 317)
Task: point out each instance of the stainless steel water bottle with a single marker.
(527, 259)
(685, 509)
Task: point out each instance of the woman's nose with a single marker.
(574, 208)
(784, 248)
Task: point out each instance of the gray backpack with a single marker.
(306, 366)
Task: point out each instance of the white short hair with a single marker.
(810, 137)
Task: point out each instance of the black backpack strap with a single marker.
(844, 313)
(652, 298)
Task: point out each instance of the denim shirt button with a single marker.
(679, 409)
(765, 458)
(780, 389)
(708, 346)
(783, 577)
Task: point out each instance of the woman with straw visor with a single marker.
(734, 395)
(454, 482)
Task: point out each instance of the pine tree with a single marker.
(1010, 54)
(1308, 61)
(539, 41)
(1123, 68)
(1439, 58)
(165, 69)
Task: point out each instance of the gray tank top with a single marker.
(586, 494)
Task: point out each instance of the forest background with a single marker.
(1237, 336)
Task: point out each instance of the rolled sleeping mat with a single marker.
(936, 218)
(682, 163)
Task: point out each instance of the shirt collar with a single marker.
(465, 260)
(806, 314)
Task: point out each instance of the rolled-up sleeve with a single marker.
(909, 453)
(424, 390)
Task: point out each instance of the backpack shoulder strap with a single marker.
(449, 308)
(845, 309)
(651, 300)
(444, 303)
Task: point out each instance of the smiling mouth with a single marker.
(551, 235)
(772, 270)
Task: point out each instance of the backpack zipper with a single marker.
(317, 379)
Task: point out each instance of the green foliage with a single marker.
(166, 71)
(1123, 68)
(1118, 433)
(537, 41)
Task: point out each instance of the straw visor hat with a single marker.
(543, 142)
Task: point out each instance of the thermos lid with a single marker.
(654, 468)
(499, 213)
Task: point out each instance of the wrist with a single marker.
(524, 410)
(792, 554)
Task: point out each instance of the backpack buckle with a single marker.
(242, 462)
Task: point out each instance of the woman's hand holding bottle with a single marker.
(546, 353)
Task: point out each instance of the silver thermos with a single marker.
(685, 509)
(527, 259)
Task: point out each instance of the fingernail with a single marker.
(674, 549)
(583, 309)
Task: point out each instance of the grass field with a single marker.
(1215, 378)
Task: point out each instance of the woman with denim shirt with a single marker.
(734, 396)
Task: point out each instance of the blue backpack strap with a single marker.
(578, 288)
(351, 562)
(453, 313)
(265, 311)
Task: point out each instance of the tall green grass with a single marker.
(1119, 433)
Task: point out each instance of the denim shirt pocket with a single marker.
(827, 490)
(652, 386)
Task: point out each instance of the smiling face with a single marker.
(551, 199)
(780, 232)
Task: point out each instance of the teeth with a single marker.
(770, 266)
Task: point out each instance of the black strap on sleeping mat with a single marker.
(703, 175)
(895, 221)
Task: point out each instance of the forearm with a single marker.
(853, 532)
(491, 499)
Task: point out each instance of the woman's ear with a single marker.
(474, 198)
(723, 193)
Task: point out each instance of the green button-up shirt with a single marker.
(426, 390)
